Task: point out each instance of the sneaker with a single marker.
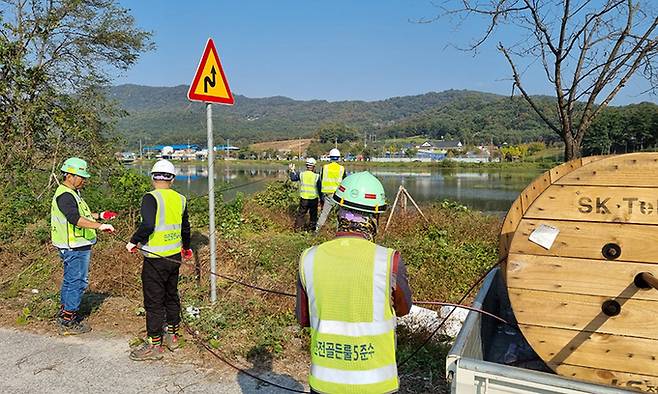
(147, 351)
(72, 327)
(171, 341)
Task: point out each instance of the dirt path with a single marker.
(96, 362)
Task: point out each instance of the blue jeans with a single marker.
(76, 274)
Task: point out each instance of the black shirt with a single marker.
(148, 211)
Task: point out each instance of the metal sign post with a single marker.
(211, 205)
(208, 88)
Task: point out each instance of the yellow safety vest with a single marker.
(332, 175)
(308, 181)
(166, 238)
(348, 283)
(65, 235)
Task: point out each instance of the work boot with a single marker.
(150, 350)
(171, 339)
(72, 327)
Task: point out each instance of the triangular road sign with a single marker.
(210, 84)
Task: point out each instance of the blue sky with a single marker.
(332, 50)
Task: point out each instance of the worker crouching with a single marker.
(164, 235)
(349, 292)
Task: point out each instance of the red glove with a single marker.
(186, 253)
(108, 215)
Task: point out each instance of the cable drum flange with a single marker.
(571, 307)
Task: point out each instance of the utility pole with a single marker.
(140, 149)
(228, 150)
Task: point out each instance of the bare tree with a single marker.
(588, 50)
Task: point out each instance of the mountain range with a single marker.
(163, 115)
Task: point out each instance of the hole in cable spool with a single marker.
(611, 251)
(611, 308)
(640, 282)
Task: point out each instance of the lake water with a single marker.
(490, 190)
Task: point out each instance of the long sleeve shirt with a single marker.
(148, 211)
(400, 294)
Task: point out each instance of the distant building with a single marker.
(440, 145)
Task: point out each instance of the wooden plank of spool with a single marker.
(577, 302)
(623, 380)
(595, 350)
(583, 312)
(576, 276)
(564, 169)
(510, 223)
(624, 170)
(597, 204)
(638, 242)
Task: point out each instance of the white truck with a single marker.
(488, 357)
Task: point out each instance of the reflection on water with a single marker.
(485, 190)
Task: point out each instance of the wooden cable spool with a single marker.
(588, 301)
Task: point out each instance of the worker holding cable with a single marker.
(164, 237)
(349, 292)
(73, 232)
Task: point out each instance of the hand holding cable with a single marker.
(108, 228)
(131, 247)
(186, 254)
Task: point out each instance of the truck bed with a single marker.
(491, 357)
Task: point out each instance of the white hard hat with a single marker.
(310, 161)
(334, 153)
(163, 167)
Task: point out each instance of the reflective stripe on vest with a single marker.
(65, 235)
(308, 181)
(352, 320)
(332, 175)
(166, 237)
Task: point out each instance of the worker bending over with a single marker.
(349, 292)
(309, 191)
(73, 232)
(330, 177)
(164, 235)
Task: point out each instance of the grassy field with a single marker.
(256, 245)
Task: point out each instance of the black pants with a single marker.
(160, 286)
(307, 205)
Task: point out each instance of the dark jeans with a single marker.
(160, 286)
(76, 274)
(312, 207)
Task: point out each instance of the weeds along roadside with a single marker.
(256, 245)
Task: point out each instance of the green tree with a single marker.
(56, 59)
(335, 132)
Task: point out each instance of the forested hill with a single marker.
(163, 115)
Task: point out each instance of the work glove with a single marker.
(186, 253)
(107, 215)
(131, 247)
(108, 228)
(291, 167)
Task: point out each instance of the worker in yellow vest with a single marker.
(73, 232)
(330, 177)
(309, 193)
(349, 292)
(164, 235)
